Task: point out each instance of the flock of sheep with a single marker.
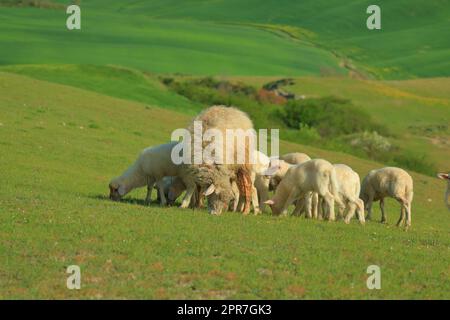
(314, 186)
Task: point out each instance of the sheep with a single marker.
(446, 176)
(216, 179)
(309, 203)
(151, 166)
(284, 163)
(349, 189)
(174, 186)
(316, 175)
(388, 182)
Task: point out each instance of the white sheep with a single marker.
(216, 179)
(446, 176)
(151, 166)
(316, 175)
(349, 189)
(284, 163)
(388, 182)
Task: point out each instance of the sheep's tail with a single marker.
(334, 188)
(244, 183)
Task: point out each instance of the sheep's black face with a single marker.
(219, 200)
(114, 193)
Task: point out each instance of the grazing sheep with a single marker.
(312, 176)
(349, 189)
(216, 179)
(152, 165)
(388, 182)
(446, 176)
(284, 163)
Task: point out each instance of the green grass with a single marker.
(60, 146)
(161, 46)
(114, 81)
(413, 41)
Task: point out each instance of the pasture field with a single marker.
(76, 108)
(61, 145)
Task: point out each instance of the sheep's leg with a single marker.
(351, 212)
(263, 195)
(255, 201)
(408, 215)
(383, 212)
(308, 205)
(341, 211)
(315, 205)
(360, 211)
(148, 198)
(188, 196)
(298, 208)
(402, 215)
(290, 199)
(329, 199)
(162, 196)
(369, 208)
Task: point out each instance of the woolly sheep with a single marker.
(446, 176)
(151, 166)
(388, 182)
(316, 175)
(216, 179)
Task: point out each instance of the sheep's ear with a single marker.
(122, 191)
(271, 171)
(270, 202)
(210, 190)
(443, 176)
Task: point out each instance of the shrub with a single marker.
(331, 116)
(372, 143)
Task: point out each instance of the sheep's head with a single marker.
(216, 181)
(116, 190)
(276, 209)
(218, 198)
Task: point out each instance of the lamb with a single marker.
(388, 182)
(349, 189)
(151, 166)
(316, 175)
(216, 179)
(284, 163)
(446, 176)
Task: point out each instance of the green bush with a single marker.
(371, 143)
(330, 116)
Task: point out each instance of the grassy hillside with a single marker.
(162, 46)
(61, 145)
(234, 38)
(413, 41)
